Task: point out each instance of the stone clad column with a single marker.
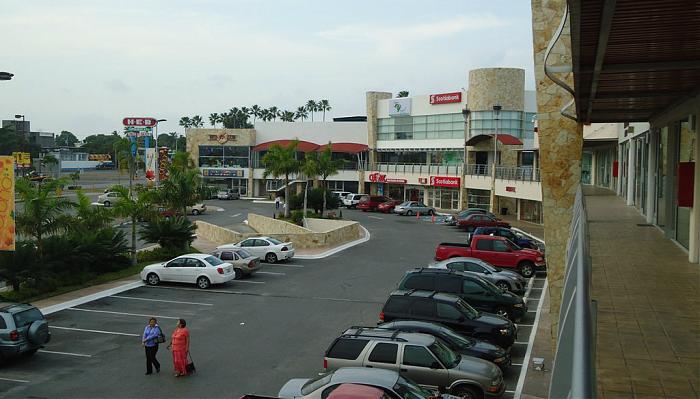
(372, 98)
(561, 142)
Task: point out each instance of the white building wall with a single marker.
(315, 132)
(420, 105)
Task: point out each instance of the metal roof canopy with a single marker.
(632, 59)
(506, 139)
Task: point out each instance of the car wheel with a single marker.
(466, 393)
(239, 274)
(106, 203)
(270, 258)
(409, 213)
(203, 283)
(503, 285)
(195, 212)
(527, 269)
(502, 312)
(152, 279)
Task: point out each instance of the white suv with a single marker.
(351, 200)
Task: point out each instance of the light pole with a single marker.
(6, 76)
(465, 113)
(496, 114)
(157, 154)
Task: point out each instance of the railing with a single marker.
(478, 170)
(425, 169)
(522, 173)
(573, 370)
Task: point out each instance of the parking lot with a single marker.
(248, 336)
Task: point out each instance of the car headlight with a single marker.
(518, 305)
(503, 331)
(499, 359)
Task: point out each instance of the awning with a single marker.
(304, 146)
(347, 148)
(506, 139)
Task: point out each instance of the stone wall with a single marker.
(266, 225)
(491, 86)
(372, 97)
(199, 137)
(218, 234)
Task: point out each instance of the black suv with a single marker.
(23, 329)
(451, 311)
(479, 293)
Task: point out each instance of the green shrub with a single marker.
(296, 201)
(162, 254)
(297, 217)
(176, 232)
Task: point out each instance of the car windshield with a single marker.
(407, 203)
(214, 261)
(26, 317)
(274, 241)
(467, 310)
(244, 254)
(444, 354)
(409, 390)
(460, 341)
(514, 245)
(316, 383)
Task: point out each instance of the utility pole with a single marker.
(496, 111)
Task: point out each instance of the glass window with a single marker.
(214, 261)
(179, 262)
(348, 349)
(473, 267)
(417, 356)
(26, 317)
(261, 243)
(397, 304)
(500, 246)
(248, 243)
(484, 245)
(450, 283)
(458, 266)
(423, 308)
(3, 324)
(227, 255)
(444, 354)
(243, 254)
(447, 311)
(316, 383)
(471, 287)
(420, 282)
(384, 353)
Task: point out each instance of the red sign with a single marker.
(422, 180)
(396, 181)
(377, 177)
(510, 189)
(444, 181)
(146, 122)
(446, 98)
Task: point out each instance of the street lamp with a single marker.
(465, 113)
(496, 113)
(6, 76)
(157, 154)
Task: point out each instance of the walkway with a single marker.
(648, 305)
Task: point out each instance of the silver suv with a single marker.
(420, 357)
(23, 329)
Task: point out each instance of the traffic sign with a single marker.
(139, 121)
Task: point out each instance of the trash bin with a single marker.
(504, 211)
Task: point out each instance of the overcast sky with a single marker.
(83, 65)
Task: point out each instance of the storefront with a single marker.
(530, 211)
(444, 192)
(236, 178)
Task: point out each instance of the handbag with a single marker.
(190, 364)
(161, 337)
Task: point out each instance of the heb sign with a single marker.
(444, 181)
(446, 98)
(381, 178)
(146, 122)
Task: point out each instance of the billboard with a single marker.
(151, 163)
(22, 159)
(400, 106)
(7, 203)
(163, 163)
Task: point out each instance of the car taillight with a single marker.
(325, 363)
(220, 270)
(381, 315)
(14, 335)
(285, 249)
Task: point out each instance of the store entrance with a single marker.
(414, 194)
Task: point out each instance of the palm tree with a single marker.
(402, 93)
(90, 218)
(214, 118)
(256, 111)
(327, 166)
(287, 116)
(301, 113)
(197, 121)
(43, 213)
(139, 207)
(274, 113)
(324, 105)
(176, 233)
(310, 169)
(312, 107)
(281, 161)
(50, 161)
(181, 189)
(186, 122)
(245, 112)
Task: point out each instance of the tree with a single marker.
(324, 105)
(171, 233)
(327, 167)
(402, 93)
(236, 118)
(43, 213)
(301, 113)
(287, 116)
(310, 169)
(66, 139)
(49, 160)
(281, 161)
(197, 121)
(11, 141)
(274, 113)
(186, 122)
(135, 207)
(214, 119)
(256, 111)
(89, 217)
(100, 143)
(312, 107)
(183, 186)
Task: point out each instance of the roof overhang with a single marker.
(633, 59)
(303, 146)
(346, 148)
(506, 139)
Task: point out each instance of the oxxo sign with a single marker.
(145, 122)
(444, 181)
(446, 98)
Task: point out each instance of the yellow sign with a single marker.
(22, 159)
(7, 203)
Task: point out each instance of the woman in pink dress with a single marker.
(180, 344)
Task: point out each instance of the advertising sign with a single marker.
(22, 159)
(446, 98)
(377, 177)
(138, 131)
(151, 162)
(163, 163)
(222, 138)
(400, 106)
(510, 189)
(223, 173)
(139, 121)
(444, 181)
(7, 203)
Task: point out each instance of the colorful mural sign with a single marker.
(151, 164)
(7, 203)
(163, 163)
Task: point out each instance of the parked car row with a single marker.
(380, 203)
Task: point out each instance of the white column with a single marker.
(694, 247)
(651, 174)
(630, 171)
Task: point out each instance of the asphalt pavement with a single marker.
(248, 336)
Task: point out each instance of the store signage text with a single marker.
(377, 177)
(223, 172)
(22, 159)
(222, 138)
(422, 180)
(131, 121)
(446, 98)
(510, 189)
(444, 181)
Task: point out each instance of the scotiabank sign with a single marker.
(446, 98)
(444, 181)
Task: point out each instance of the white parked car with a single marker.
(108, 198)
(201, 269)
(267, 248)
(341, 195)
(351, 200)
(197, 209)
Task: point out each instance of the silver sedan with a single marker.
(503, 279)
(409, 208)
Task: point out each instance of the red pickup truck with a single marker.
(474, 220)
(497, 251)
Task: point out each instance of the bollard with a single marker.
(274, 216)
(433, 218)
(417, 215)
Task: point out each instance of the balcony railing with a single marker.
(423, 169)
(522, 173)
(573, 370)
(478, 170)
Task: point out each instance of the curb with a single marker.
(87, 298)
(338, 249)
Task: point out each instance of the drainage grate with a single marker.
(645, 225)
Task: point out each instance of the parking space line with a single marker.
(507, 391)
(532, 311)
(236, 215)
(161, 300)
(520, 343)
(536, 288)
(375, 217)
(13, 380)
(524, 325)
(272, 273)
(531, 342)
(249, 282)
(516, 364)
(125, 314)
(95, 331)
(282, 265)
(65, 353)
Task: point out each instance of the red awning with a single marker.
(304, 146)
(347, 148)
(506, 139)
